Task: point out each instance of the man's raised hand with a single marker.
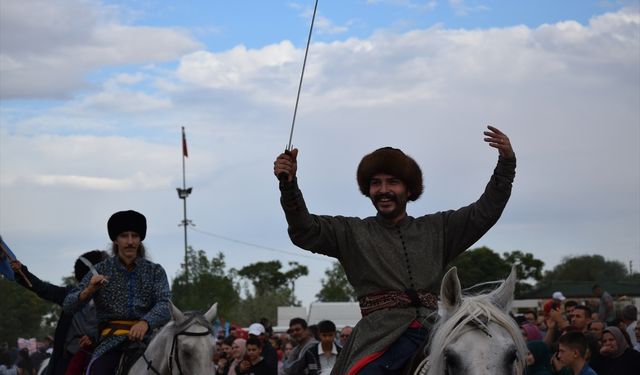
(499, 140)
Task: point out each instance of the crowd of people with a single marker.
(303, 349)
(568, 337)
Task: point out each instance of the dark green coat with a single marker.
(380, 256)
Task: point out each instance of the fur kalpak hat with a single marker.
(124, 221)
(394, 162)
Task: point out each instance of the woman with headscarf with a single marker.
(619, 358)
(238, 350)
(538, 358)
(530, 332)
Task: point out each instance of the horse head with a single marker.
(185, 345)
(476, 335)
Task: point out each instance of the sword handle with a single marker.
(284, 176)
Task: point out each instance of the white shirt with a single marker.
(327, 362)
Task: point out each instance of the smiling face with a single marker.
(298, 333)
(128, 243)
(389, 196)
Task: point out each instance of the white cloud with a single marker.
(49, 47)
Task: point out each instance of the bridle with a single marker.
(479, 321)
(173, 354)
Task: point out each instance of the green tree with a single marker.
(271, 288)
(254, 307)
(527, 268)
(22, 313)
(266, 276)
(335, 286)
(586, 268)
(480, 265)
(208, 283)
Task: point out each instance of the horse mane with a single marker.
(474, 310)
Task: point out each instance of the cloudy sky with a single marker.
(93, 95)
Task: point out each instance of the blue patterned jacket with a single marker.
(140, 294)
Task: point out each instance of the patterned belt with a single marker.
(117, 327)
(397, 299)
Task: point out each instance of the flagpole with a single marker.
(183, 194)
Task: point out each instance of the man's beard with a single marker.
(400, 205)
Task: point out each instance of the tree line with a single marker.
(256, 290)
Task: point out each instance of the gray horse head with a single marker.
(476, 335)
(185, 345)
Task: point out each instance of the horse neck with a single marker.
(159, 349)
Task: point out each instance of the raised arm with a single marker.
(43, 289)
(465, 226)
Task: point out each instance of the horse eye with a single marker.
(452, 359)
(511, 356)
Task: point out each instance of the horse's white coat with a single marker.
(199, 349)
(460, 343)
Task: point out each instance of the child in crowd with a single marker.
(253, 363)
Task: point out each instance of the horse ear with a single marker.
(450, 291)
(503, 296)
(177, 315)
(211, 314)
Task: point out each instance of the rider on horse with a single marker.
(131, 294)
(394, 261)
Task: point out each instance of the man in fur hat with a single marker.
(394, 261)
(131, 293)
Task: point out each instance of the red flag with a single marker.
(184, 144)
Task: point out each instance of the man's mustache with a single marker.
(378, 197)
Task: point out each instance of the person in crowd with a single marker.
(581, 317)
(322, 356)
(572, 353)
(294, 365)
(238, 352)
(24, 363)
(253, 363)
(569, 305)
(7, 365)
(267, 351)
(72, 329)
(596, 327)
(555, 303)
(380, 254)
(538, 358)
(287, 349)
(345, 332)
(630, 320)
(530, 332)
(131, 293)
(556, 324)
(225, 356)
(606, 312)
(531, 316)
(637, 334)
(619, 358)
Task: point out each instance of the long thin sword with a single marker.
(284, 176)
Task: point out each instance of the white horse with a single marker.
(475, 335)
(185, 345)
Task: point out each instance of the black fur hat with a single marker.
(123, 221)
(394, 162)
